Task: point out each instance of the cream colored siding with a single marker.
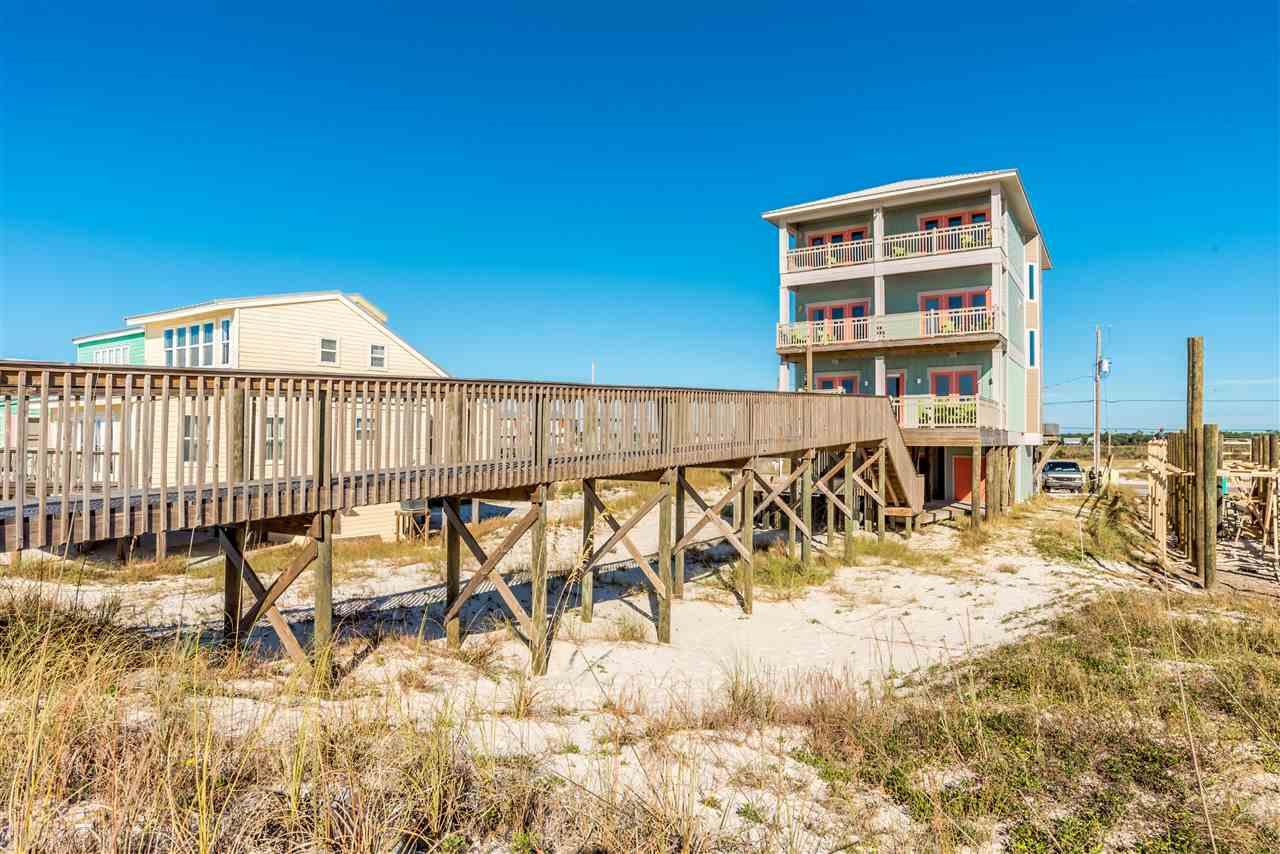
(375, 520)
(286, 337)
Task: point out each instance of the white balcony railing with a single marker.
(938, 241)
(830, 255)
(965, 411)
(946, 323)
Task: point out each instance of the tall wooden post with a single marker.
(678, 569)
(848, 502)
(882, 486)
(975, 489)
(993, 483)
(748, 537)
(1195, 436)
(538, 583)
(806, 508)
(792, 492)
(323, 635)
(1209, 478)
(587, 584)
(452, 574)
(665, 506)
(232, 588)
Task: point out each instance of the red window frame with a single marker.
(837, 381)
(941, 217)
(965, 295)
(846, 235)
(847, 306)
(954, 374)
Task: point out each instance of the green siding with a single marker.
(902, 292)
(865, 368)
(134, 340)
(1016, 316)
(1016, 396)
(1016, 250)
(917, 369)
(904, 220)
(851, 289)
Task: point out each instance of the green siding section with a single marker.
(917, 369)
(134, 341)
(902, 292)
(865, 368)
(905, 219)
(1017, 252)
(1016, 397)
(851, 289)
(1016, 316)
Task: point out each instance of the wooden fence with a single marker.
(191, 448)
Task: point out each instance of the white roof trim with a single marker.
(115, 333)
(254, 302)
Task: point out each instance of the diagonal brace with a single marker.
(712, 514)
(277, 620)
(499, 583)
(627, 542)
(491, 562)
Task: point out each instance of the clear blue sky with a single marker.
(525, 193)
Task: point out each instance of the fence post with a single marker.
(1210, 497)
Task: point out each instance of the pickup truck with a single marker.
(1062, 474)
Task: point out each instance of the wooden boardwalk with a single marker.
(94, 453)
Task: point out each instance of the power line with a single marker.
(1069, 382)
(1164, 400)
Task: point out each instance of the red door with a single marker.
(962, 478)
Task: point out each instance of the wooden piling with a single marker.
(975, 489)
(882, 488)
(1195, 438)
(452, 573)
(850, 521)
(323, 635)
(806, 508)
(677, 569)
(748, 537)
(538, 583)
(587, 584)
(1209, 490)
(232, 587)
(665, 507)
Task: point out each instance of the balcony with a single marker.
(964, 412)
(914, 244)
(916, 327)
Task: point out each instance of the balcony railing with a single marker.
(938, 241)
(906, 326)
(960, 411)
(830, 255)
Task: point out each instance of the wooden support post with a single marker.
(993, 484)
(1209, 477)
(748, 535)
(975, 489)
(587, 584)
(678, 569)
(324, 587)
(162, 543)
(882, 486)
(1195, 435)
(806, 502)
(232, 588)
(906, 527)
(848, 502)
(668, 486)
(324, 544)
(452, 573)
(538, 647)
(808, 367)
(475, 511)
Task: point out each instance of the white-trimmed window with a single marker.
(328, 351)
(226, 340)
(377, 355)
(117, 354)
(273, 447)
(190, 448)
(198, 345)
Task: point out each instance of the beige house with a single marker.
(313, 332)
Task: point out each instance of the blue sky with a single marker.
(526, 193)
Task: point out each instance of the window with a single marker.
(1031, 282)
(377, 355)
(954, 300)
(274, 444)
(839, 311)
(226, 342)
(117, 354)
(951, 219)
(180, 348)
(949, 382)
(1031, 348)
(815, 241)
(844, 235)
(190, 430)
(843, 383)
(168, 348)
(207, 358)
(193, 344)
(328, 351)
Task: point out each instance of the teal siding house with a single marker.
(927, 292)
(119, 347)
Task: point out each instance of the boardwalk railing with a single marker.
(192, 447)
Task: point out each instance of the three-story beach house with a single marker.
(928, 292)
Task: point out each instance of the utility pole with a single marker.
(1097, 400)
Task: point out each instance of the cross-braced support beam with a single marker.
(661, 581)
(237, 623)
(535, 626)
